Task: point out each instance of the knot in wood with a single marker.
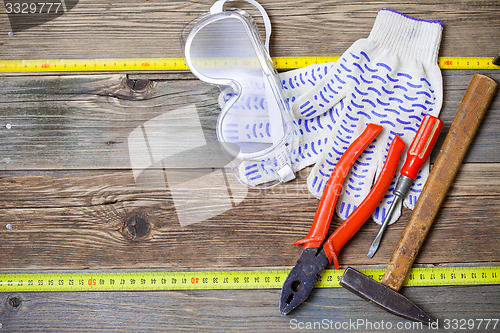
(138, 85)
(136, 227)
(13, 302)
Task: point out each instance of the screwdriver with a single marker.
(419, 151)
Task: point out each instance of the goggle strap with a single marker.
(218, 7)
(285, 171)
(282, 156)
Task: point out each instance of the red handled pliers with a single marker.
(316, 254)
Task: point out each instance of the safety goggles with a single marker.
(255, 127)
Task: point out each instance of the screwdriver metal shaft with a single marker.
(403, 185)
(419, 151)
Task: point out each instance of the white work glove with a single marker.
(390, 78)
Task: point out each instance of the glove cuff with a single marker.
(408, 37)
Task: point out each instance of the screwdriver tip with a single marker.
(373, 248)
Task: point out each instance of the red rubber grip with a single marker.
(421, 146)
(326, 206)
(361, 214)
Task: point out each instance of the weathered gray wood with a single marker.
(81, 220)
(88, 122)
(68, 199)
(240, 310)
(85, 122)
(80, 188)
(127, 29)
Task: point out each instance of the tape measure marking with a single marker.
(268, 279)
(177, 64)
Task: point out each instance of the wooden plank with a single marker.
(102, 220)
(69, 199)
(85, 188)
(454, 92)
(240, 310)
(98, 121)
(85, 121)
(97, 29)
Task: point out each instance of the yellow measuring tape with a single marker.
(177, 64)
(268, 279)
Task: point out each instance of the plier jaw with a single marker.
(317, 253)
(302, 278)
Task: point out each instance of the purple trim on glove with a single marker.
(411, 18)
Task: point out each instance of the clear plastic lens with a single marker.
(225, 49)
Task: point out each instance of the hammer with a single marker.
(465, 125)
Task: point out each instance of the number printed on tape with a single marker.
(177, 64)
(106, 281)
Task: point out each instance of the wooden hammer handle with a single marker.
(465, 125)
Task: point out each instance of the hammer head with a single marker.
(383, 296)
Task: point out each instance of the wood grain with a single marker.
(131, 28)
(234, 310)
(87, 121)
(63, 127)
(79, 220)
(69, 199)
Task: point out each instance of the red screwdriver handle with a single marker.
(422, 145)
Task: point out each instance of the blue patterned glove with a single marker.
(390, 78)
